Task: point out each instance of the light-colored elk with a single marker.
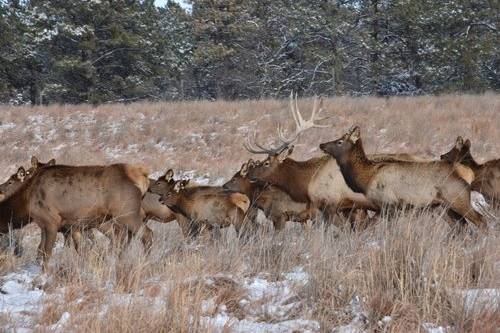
(396, 183)
(59, 196)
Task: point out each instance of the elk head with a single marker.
(172, 197)
(163, 184)
(239, 182)
(263, 171)
(342, 148)
(13, 183)
(460, 153)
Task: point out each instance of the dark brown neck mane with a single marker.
(469, 161)
(356, 168)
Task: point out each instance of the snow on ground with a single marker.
(477, 299)
(20, 301)
(268, 306)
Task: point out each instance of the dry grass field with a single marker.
(404, 274)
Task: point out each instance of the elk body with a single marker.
(207, 206)
(276, 204)
(396, 183)
(58, 196)
(486, 175)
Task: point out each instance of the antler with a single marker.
(254, 147)
(302, 125)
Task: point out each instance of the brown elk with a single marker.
(59, 195)
(486, 175)
(395, 183)
(213, 207)
(316, 182)
(12, 185)
(276, 204)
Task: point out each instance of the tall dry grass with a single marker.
(409, 268)
(208, 136)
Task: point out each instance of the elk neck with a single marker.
(294, 177)
(469, 161)
(357, 169)
(14, 209)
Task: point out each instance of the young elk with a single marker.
(207, 206)
(486, 175)
(317, 182)
(395, 183)
(64, 195)
(276, 204)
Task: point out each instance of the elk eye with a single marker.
(340, 142)
(267, 163)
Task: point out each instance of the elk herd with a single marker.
(342, 186)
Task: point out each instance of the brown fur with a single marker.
(486, 175)
(276, 204)
(397, 157)
(396, 183)
(63, 195)
(209, 206)
(317, 182)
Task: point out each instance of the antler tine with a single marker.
(255, 148)
(301, 124)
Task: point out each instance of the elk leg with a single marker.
(51, 235)
(67, 233)
(41, 246)
(18, 248)
(134, 225)
(76, 235)
(455, 220)
(279, 222)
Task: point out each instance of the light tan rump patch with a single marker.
(240, 200)
(139, 176)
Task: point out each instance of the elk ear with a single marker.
(21, 173)
(459, 143)
(34, 162)
(169, 175)
(467, 144)
(354, 134)
(51, 162)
